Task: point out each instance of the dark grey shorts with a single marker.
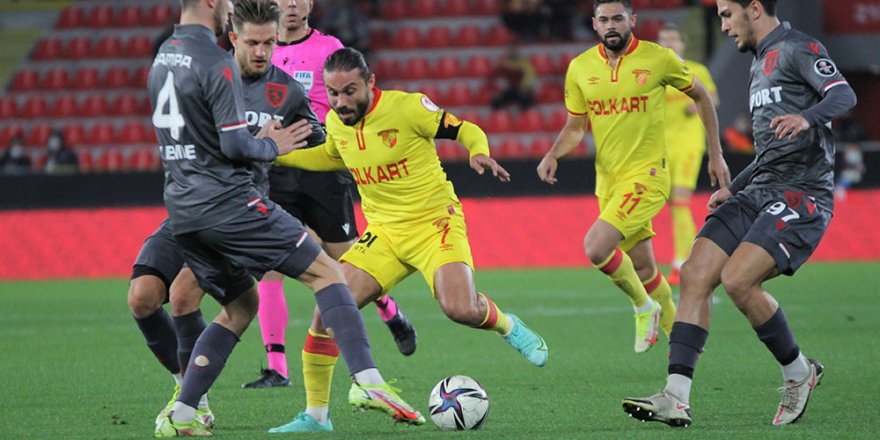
(785, 223)
(264, 238)
(159, 256)
(323, 201)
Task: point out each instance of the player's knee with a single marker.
(185, 303)
(144, 298)
(692, 274)
(596, 255)
(737, 285)
(462, 312)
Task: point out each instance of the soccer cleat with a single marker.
(661, 407)
(647, 324)
(796, 395)
(673, 278)
(404, 333)
(168, 428)
(383, 398)
(165, 411)
(205, 417)
(527, 342)
(268, 379)
(304, 423)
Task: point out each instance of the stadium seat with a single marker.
(138, 46)
(438, 36)
(510, 147)
(128, 16)
(139, 78)
(38, 135)
(499, 122)
(131, 133)
(551, 92)
(648, 29)
(499, 35)
(543, 63)
(73, 134)
(447, 67)
(108, 47)
(86, 162)
(160, 15)
(556, 120)
(115, 78)
(529, 121)
(471, 116)
(416, 68)
(64, 107)
(478, 66)
(394, 9)
(487, 7)
(406, 38)
(110, 161)
(386, 69)
(125, 104)
(151, 134)
(667, 4)
(540, 146)
(143, 159)
(144, 106)
(47, 49)
(458, 94)
(433, 92)
(456, 8)
(24, 80)
(101, 133)
(379, 38)
(55, 79)
(94, 105)
(84, 79)
(8, 107)
(78, 48)
(482, 97)
(100, 17)
(424, 8)
(468, 35)
(35, 107)
(8, 132)
(70, 17)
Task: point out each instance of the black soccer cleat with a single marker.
(269, 379)
(404, 333)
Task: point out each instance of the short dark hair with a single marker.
(255, 12)
(348, 59)
(769, 5)
(669, 26)
(626, 4)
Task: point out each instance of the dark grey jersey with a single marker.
(791, 73)
(196, 94)
(277, 96)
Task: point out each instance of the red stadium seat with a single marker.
(151, 134)
(143, 159)
(499, 35)
(110, 161)
(380, 38)
(394, 10)
(540, 146)
(471, 116)
(386, 69)
(648, 29)
(138, 46)
(139, 78)
(555, 121)
(55, 79)
(482, 97)
(424, 8)
(25, 80)
(100, 17)
(108, 47)
(144, 106)
(416, 68)
(667, 4)
(551, 92)
(487, 7)
(8, 132)
(94, 105)
(458, 94)
(70, 17)
(86, 162)
(529, 121)
(406, 38)
(478, 66)
(38, 135)
(128, 16)
(73, 134)
(115, 78)
(543, 63)
(159, 15)
(47, 49)
(78, 48)
(131, 133)
(456, 8)
(510, 147)
(35, 107)
(125, 104)
(447, 67)
(85, 78)
(468, 36)
(64, 107)
(433, 93)
(499, 122)
(438, 36)
(8, 107)
(101, 133)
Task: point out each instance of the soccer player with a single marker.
(771, 217)
(414, 219)
(686, 141)
(620, 85)
(224, 227)
(323, 201)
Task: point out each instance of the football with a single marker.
(458, 403)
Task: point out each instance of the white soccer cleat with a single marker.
(661, 407)
(796, 395)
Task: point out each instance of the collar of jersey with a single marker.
(377, 93)
(194, 30)
(295, 42)
(774, 36)
(633, 44)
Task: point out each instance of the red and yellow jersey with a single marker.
(393, 159)
(683, 128)
(626, 105)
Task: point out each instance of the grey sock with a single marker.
(341, 315)
(189, 327)
(686, 342)
(208, 359)
(777, 336)
(158, 331)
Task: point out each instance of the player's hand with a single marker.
(480, 163)
(287, 138)
(789, 125)
(718, 198)
(547, 169)
(718, 172)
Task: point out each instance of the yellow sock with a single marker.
(619, 267)
(658, 288)
(495, 319)
(319, 356)
(683, 230)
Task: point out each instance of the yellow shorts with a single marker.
(630, 206)
(390, 254)
(684, 165)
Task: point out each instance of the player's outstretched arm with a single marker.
(570, 136)
(719, 174)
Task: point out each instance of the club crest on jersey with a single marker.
(276, 94)
(770, 61)
(641, 75)
(824, 67)
(389, 137)
(306, 78)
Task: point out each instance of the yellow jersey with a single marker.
(683, 129)
(391, 155)
(625, 105)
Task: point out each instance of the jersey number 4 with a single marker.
(172, 119)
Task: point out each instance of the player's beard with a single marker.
(358, 113)
(623, 40)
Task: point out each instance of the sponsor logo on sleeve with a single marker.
(429, 105)
(825, 67)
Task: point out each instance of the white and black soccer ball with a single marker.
(458, 403)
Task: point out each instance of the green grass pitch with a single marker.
(74, 365)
